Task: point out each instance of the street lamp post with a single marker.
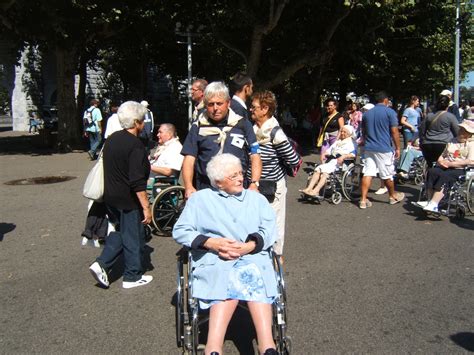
(457, 51)
(188, 34)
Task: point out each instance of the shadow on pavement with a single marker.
(240, 331)
(24, 144)
(6, 228)
(465, 340)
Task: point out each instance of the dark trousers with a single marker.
(431, 152)
(129, 239)
(439, 178)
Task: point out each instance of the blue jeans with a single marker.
(407, 157)
(94, 138)
(409, 136)
(129, 239)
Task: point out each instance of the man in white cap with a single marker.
(147, 133)
(453, 108)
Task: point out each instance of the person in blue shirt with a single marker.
(379, 129)
(93, 128)
(229, 231)
(218, 130)
(410, 120)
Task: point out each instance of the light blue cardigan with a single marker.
(217, 214)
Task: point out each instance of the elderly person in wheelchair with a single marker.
(167, 159)
(450, 166)
(229, 231)
(333, 158)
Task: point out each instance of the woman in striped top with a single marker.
(276, 152)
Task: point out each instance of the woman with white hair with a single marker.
(343, 148)
(229, 230)
(126, 170)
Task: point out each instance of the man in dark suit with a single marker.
(242, 87)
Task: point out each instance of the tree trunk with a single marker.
(69, 132)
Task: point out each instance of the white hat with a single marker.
(468, 126)
(446, 93)
(144, 103)
(368, 106)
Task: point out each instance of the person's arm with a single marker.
(188, 175)
(340, 122)
(161, 170)
(143, 198)
(285, 150)
(256, 164)
(404, 122)
(396, 140)
(454, 127)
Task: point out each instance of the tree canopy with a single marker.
(299, 49)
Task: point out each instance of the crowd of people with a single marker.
(233, 164)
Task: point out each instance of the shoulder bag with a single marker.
(94, 185)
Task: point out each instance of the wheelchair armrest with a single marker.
(161, 179)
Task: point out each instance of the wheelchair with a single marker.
(416, 173)
(457, 200)
(189, 317)
(167, 201)
(333, 190)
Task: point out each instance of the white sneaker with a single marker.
(422, 204)
(381, 191)
(96, 243)
(84, 241)
(143, 281)
(99, 274)
(431, 207)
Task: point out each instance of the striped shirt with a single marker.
(273, 154)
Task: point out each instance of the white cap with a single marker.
(368, 106)
(144, 103)
(446, 93)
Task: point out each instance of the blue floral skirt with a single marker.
(245, 284)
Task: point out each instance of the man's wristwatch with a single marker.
(255, 182)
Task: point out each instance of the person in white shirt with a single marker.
(113, 124)
(167, 159)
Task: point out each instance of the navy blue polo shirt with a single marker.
(240, 141)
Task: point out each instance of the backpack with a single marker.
(290, 170)
(87, 119)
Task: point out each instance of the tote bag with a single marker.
(94, 185)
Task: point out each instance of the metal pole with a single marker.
(457, 52)
(190, 78)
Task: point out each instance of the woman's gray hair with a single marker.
(218, 168)
(129, 112)
(216, 88)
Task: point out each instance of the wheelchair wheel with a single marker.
(470, 194)
(351, 182)
(166, 209)
(336, 198)
(181, 297)
(282, 341)
(419, 180)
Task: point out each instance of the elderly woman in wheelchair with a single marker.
(344, 148)
(229, 231)
(449, 168)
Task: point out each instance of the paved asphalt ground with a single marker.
(381, 280)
